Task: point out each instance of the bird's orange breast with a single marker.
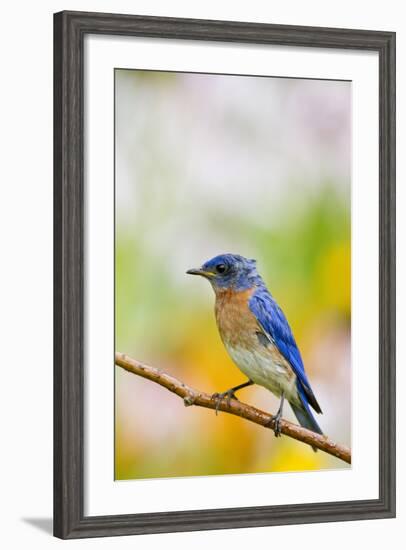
(236, 323)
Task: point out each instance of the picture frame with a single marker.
(70, 29)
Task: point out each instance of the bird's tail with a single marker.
(306, 419)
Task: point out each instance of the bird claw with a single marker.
(275, 424)
(277, 428)
(218, 397)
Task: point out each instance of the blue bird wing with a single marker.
(275, 326)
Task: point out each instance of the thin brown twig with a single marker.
(191, 396)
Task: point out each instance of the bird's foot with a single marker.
(277, 428)
(275, 423)
(218, 397)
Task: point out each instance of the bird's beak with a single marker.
(200, 272)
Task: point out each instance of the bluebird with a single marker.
(258, 337)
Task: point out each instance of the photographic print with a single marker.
(224, 222)
(232, 271)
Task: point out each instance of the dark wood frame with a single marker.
(69, 31)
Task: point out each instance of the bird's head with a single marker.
(229, 271)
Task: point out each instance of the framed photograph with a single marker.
(224, 267)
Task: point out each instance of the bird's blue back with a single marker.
(273, 322)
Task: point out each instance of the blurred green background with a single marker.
(207, 164)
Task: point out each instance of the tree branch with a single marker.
(191, 396)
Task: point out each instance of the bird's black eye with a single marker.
(221, 268)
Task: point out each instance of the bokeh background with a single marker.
(207, 164)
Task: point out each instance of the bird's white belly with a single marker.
(264, 371)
